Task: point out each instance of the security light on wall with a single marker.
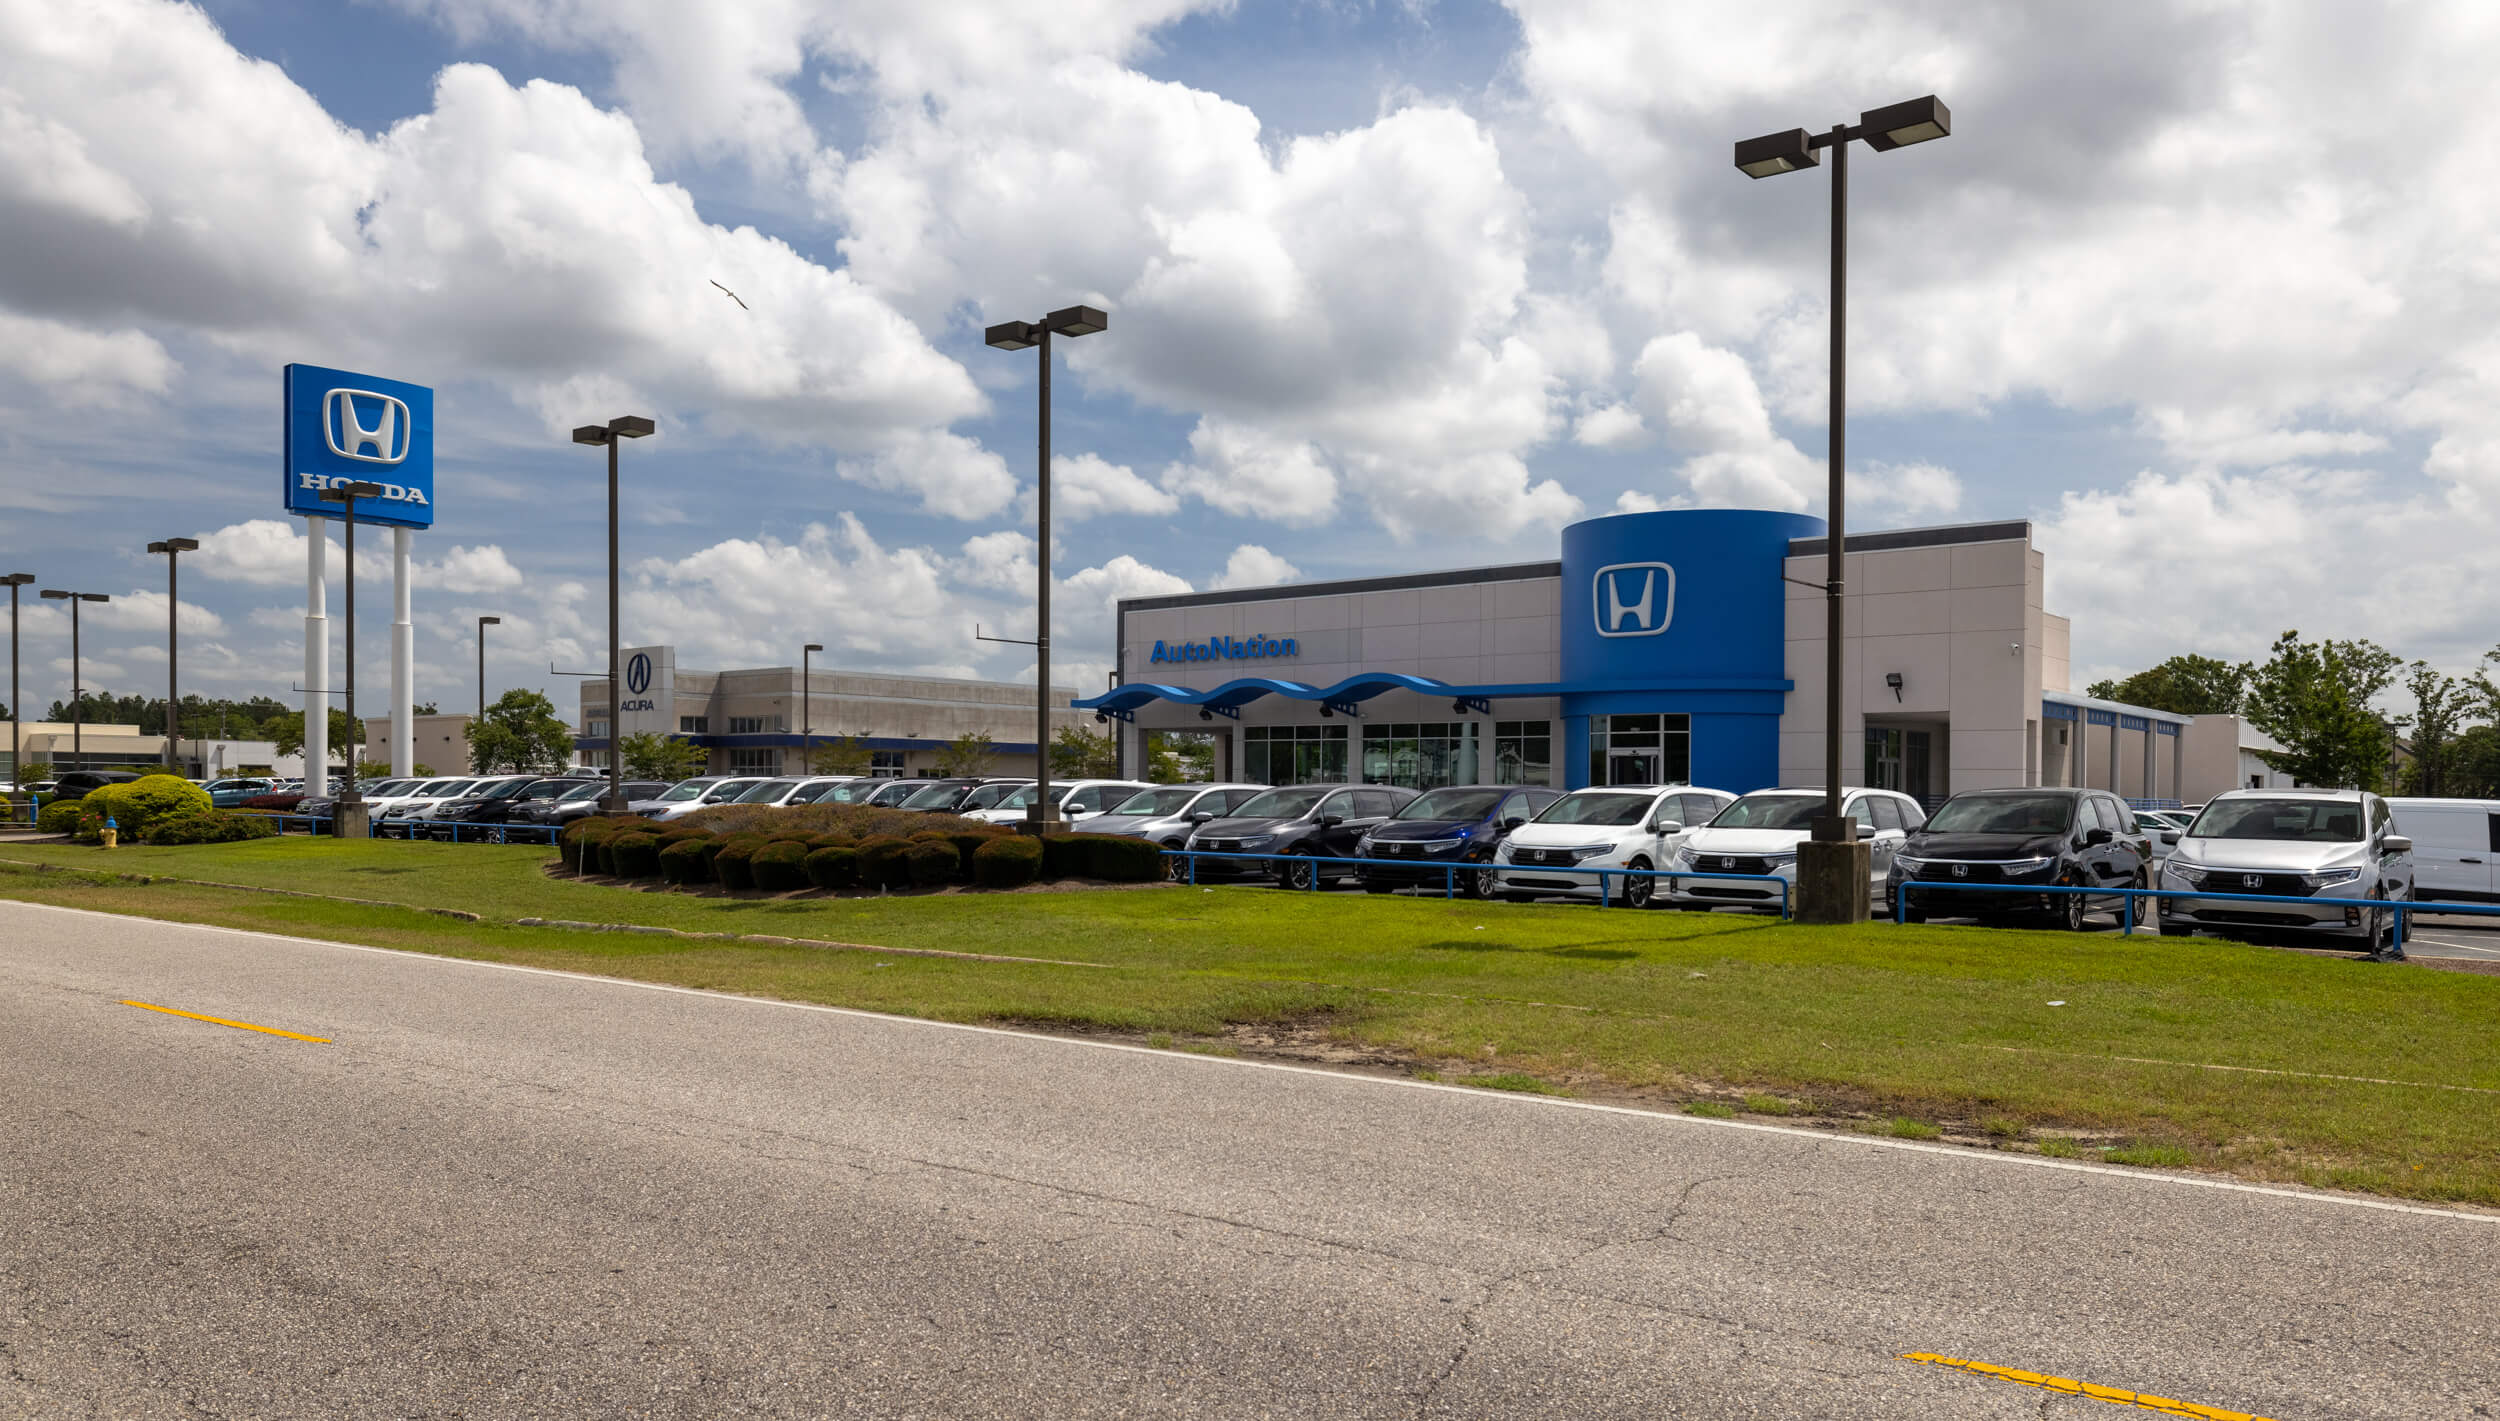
(1892, 682)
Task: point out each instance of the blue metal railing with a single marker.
(1450, 871)
(2397, 908)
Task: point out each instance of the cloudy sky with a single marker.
(2204, 292)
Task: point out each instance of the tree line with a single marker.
(2319, 700)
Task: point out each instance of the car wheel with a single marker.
(1638, 891)
(1175, 868)
(1476, 883)
(2072, 912)
(1297, 872)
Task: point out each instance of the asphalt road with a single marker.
(499, 1193)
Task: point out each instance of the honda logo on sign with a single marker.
(1633, 598)
(385, 441)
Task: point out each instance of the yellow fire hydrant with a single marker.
(112, 833)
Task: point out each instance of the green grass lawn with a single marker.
(1902, 1031)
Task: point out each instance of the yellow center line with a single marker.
(221, 1021)
(2068, 1386)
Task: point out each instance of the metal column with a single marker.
(316, 656)
(403, 661)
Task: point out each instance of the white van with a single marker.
(2456, 847)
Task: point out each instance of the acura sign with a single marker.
(343, 427)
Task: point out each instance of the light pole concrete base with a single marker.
(1832, 881)
(1042, 826)
(351, 821)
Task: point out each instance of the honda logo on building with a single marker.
(1633, 598)
(344, 426)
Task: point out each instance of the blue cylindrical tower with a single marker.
(1674, 646)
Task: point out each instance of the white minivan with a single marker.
(1634, 826)
(1759, 834)
(2456, 847)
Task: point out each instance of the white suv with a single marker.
(1635, 827)
(1078, 799)
(1760, 833)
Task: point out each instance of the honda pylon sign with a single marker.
(343, 427)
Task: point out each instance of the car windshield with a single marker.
(1589, 806)
(549, 789)
(684, 790)
(1171, 799)
(852, 791)
(444, 787)
(726, 791)
(579, 793)
(506, 790)
(769, 792)
(1282, 803)
(1769, 811)
(389, 787)
(935, 797)
(988, 796)
(2005, 814)
(1452, 804)
(809, 793)
(2304, 821)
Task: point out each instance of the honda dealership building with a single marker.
(1686, 645)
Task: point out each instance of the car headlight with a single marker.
(1907, 861)
(1501, 852)
(1590, 851)
(1363, 847)
(1680, 859)
(1258, 841)
(1782, 857)
(2329, 877)
(2013, 867)
(2183, 873)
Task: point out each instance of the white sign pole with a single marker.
(403, 662)
(316, 656)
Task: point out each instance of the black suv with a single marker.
(2081, 838)
(76, 783)
(493, 802)
(1456, 824)
(577, 799)
(1307, 822)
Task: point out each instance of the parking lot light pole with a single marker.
(628, 426)
(17, 707)
(345, 493)
(173, 549)
(77, 690)
(1834, 859)
(482, 624)
(807, 708)
(1016, 335)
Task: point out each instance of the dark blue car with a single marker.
(1457, 824)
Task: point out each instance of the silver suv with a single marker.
(2292, 843)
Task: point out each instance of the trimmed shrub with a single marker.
(569, 844)
(58, 817)
(780, 866)
(1007, 861)
(732, 865)
(1063, 856)
(217, 826)
(857, 820)
(925, 835)
(934, 863)
(684, 861)
(632, 855)
(881, 863)
(966, 845)
(833, 841)
(833, 868)
(282, 803)
(679, 836)
(143, 801)
(1115, 858)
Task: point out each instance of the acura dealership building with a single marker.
(1678, 646)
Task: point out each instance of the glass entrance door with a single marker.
(1633, 767)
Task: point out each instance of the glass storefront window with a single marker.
(1640, 749)
(1293, 754)
(1523, 752)
(755, 762)
(1420, 755)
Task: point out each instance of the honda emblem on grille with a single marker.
(1961, 870)
(1727, 863)
(2251, 880)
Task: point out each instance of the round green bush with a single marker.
(1008, 861)
(143, 801)
(780, 866)
(573, 844)
(934, 863)
(1115, 858)
(58, 817)
(881, 863)
(833, 841)
(834, 868)
(217, 826)
(968, 843)
(632, 855)
(684, 861)
(732, 865)
(922, 836)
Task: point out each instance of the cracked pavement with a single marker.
(506, 1194)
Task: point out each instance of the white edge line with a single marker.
(1826, 1137)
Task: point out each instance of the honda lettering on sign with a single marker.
(344, 427)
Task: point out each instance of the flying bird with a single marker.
(732, 295)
